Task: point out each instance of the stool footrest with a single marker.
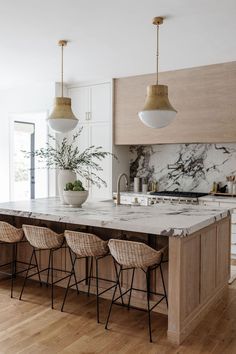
(46, 269)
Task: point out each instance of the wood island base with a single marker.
(196, 274)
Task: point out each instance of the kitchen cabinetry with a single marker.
(92, 105)
(224, 202)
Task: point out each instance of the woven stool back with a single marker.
(134, 254)
(85, 244)
(9, 233)
(42, 237)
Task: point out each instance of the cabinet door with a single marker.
(100, 103)
(83, 144)
(100, 135)
(80, 102)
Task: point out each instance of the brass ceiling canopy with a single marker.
(158, 21)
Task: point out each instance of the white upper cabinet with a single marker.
(80, 102)
(100, 135)
(100, 103)
(92, 106)
(83, 143)
(91, 103)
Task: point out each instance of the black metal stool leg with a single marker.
(90, 275)
(131, 288)
(49, 264)
(113, 297)
(73, 269)
(15, 261)
(163, 283)
(37, 267)
(122, 301)
(52, 285)
(148, 304)
(13, 269)
(97, 296)
(26, 276)
(68, 285)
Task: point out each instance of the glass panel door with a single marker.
(24, 168)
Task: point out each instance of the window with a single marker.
(24, 173)
(28, 178)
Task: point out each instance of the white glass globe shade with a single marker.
(157, 118)
(62, 125)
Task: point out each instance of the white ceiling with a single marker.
(111, 38)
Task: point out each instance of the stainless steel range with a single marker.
(174, 197)
(171, 197)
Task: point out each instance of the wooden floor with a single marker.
(30, 326)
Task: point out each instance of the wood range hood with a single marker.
(205, 98)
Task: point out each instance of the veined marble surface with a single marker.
(184, 167)
(168, 220)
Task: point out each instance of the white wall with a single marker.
(22, 99)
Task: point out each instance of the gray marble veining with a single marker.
(184, 167)
(169, 220)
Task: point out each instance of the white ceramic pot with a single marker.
(75, 198)
(64, 177)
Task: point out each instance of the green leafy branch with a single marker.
(67, 156)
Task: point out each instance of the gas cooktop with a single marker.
(179, 194)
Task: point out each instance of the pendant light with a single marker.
(62, 119)
(157, 111)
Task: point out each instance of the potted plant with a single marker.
(70, 161)
(74, 194)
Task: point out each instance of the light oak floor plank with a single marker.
(30, 326)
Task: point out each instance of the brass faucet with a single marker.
(118, 186)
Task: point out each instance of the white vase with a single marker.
(64, 177)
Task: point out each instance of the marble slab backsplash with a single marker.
(184, 167)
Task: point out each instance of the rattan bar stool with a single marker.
(41, 239)
(131, 255)
(12, 236)
(90, 247)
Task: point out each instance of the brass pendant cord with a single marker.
(157, 63)
(62, 64)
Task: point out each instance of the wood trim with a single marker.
(203, 96)
(194, 320)
(208, 263)
(191, 290)
(174, 310)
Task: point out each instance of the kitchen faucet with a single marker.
(118, 186)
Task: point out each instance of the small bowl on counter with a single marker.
(75, 198)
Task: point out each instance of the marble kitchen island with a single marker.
(198, 238)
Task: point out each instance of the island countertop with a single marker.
(168, 220)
